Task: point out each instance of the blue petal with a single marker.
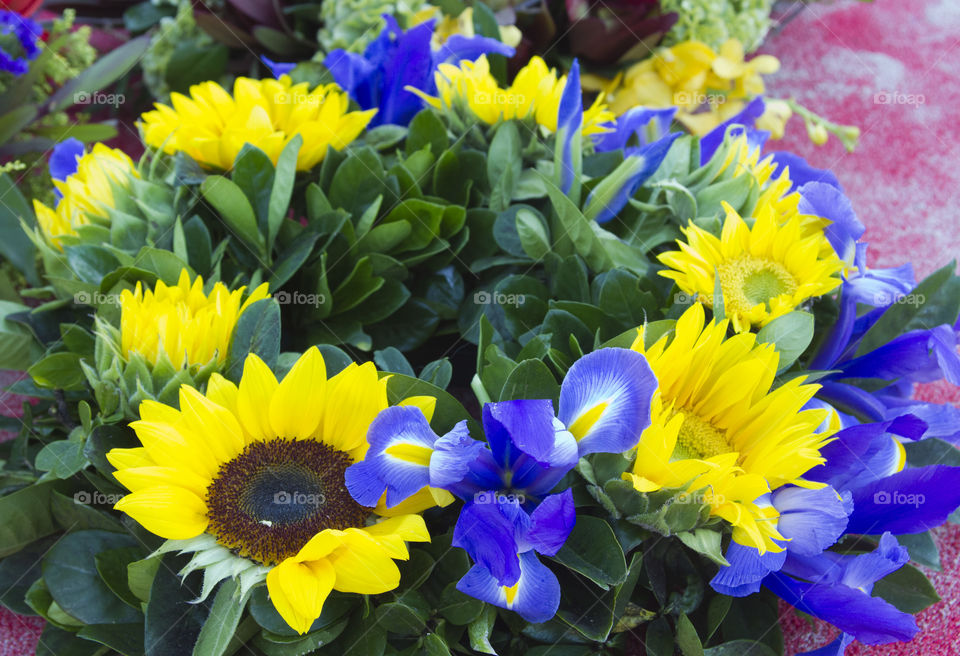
(746, 571)
(410, 65)
(853, 398)
(801, 172)
(821, 199)
(920, 356)
(838, 339)
(489, 537)
(452, 457)
(529, 444)
(910, 501)
(644, 123)
(863, 570)
(535, 598)
(811, 519)
(645, 161)
(621, 383)
(551, 523)
(942, 419)
(354, 74)
(570, 126)
(278, 69)
(64, 159)
(459, 47)
(379, 470)
(870, 620)
(747, 117)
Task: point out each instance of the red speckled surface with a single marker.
(889, 67)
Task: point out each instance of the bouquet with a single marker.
(419, 361)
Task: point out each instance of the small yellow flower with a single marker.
(717, 427)
(775, 115)
(181, 322)
(707, 87)
(86, 195)
(765, 270)
(211, 126)
(535, 93)
(448, 26)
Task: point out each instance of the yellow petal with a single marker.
(298, 591)
(169, 511)
(427, 404)
(257, 387)
(218, 426)
(297, 404)
(363, 566)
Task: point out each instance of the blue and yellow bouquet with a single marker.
(423, 361)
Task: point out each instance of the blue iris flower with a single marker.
(397, 59)
(801, 172)
(28, 33)
(636, 128)
(570, 129)
(65, 158)
(278, 69)
(511, 513)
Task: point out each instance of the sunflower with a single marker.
(211, 126)
(717, 426)
(535, 93)
(250, 479)
(764, 270)
(87, 194)
(181, 322)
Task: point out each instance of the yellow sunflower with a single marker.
(764, 270)
(250, 478)
(211, 126)
(535, 93)
(87, 194)
(182, 322)
(717, 425)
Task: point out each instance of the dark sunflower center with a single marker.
(268, 502)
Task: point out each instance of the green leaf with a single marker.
(480, 630)
(235, 210)
(390, 359)
(140, 575)
(257, 331)
(459, 608)
(62, 458)
(18, 347)
(931, 451)
(504, 164)
(592, 549)
(58, 371)
(426, 129)
(531, 379)
(166, 265)
(218, 630)
(621, 298)
(716, 612)
(58, 642)
(192, 62)
(104, 71)
(687, 639)
(533, 233)
(401, 618)
(908, 589)
(282, 191)
(791, 334)
(448, 412)
(173, 622)
(124, 638)
(15, 246)
(25, 517)
(707, 542)
(923, 549)
(740, 648)
(70, 571)
(578, 229)
(897, 318)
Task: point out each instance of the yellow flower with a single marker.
(447, 26)
(775, 115)
(707, 87)
(765, 271)
(87, 194)
(717, 427)
(181, 322)
(250, 478)
(211, 126)
(535, 93)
